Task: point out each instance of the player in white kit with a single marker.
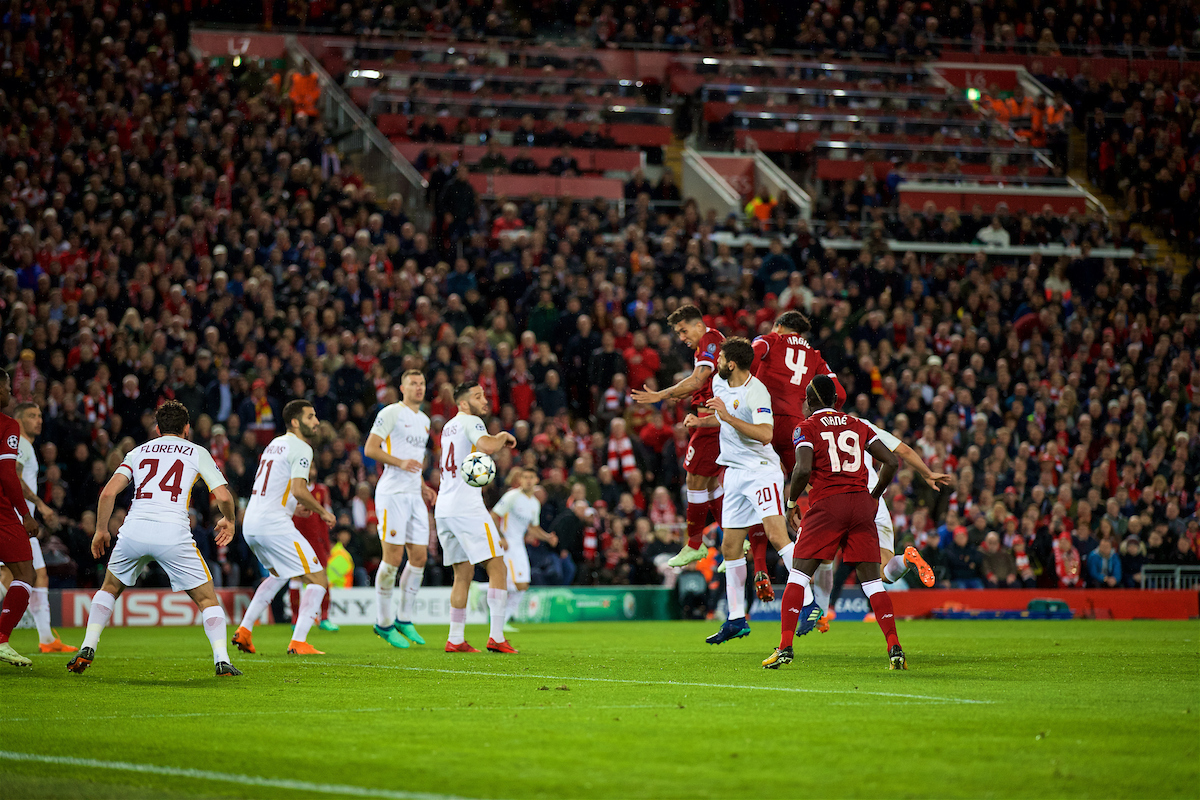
(157, 528)
(29, 418)
(894, 566)
(465, 529)
(280, 484)
(753, 480)
(398, 440)
(519, 514)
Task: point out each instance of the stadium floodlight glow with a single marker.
(712, 62)
(618, 109)
(237, 61)
(626, 82)
(974, 94)
(664, 111)
(369, 74)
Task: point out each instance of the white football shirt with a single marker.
(27, 465)
(456, 497)
(750, 402)
(517, 511)
(405, 434)
(890, 442)
(286, 457)
(162, 472)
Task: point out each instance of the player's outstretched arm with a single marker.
(305, 498)
(888, 463)
(374, 451)
(910, 457)
(108, 498)
(32, 497)
(685, 387)
(493, 443)
(692, 421)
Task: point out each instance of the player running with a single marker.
(519, 514)
(741, 408)
(280, 484)
(29, 417)
(831, 449)
(704, 490)
(465, 529)
(16, 526)
(398, 440)
(157, 528)
(785, 362)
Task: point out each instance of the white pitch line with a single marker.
(226, 777)
(647, 682)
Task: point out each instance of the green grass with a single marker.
(1061, 709)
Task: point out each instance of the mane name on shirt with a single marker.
(834, 419)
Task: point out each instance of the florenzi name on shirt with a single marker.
(168, 448)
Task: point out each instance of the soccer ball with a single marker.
(478, 470)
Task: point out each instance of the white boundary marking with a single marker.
(648, 682)
(225, 777)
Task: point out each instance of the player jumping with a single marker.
(398, 440)
(785, 362)
(831, 449)
(741, 406)
(157, 528)
(704, 490)
(465, 529)
(280, 484)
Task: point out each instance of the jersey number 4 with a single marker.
(794, 358)
(171, 482)
(448, 465)
(847, 442)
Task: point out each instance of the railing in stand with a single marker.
(1165, 576)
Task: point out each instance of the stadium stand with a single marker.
(188, 228)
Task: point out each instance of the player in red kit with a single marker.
(785, 362)
(16, 526)
(831, 449)
(315, 532)
(703, 475)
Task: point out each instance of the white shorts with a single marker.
(403, 519)
(473, 539)
(751, 496)
(285, 554)
(39, 560)
(516, 558)
(180, 560)
(883, 524)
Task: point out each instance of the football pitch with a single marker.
(1005, 709)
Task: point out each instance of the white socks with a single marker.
(735, 588)
(874, 587)
(310, 609)
(98, 616)
(798, 577)
(458, 625)
(39, 607)
(785, 554)
(214, 629)
(894, 568)
(822, 584)
(410, 584)
(385, 581)
(497, 601)
(266, 592)
(514, 602)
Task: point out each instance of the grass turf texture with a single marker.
(1061, 709)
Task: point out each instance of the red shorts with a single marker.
(14, 544)
(842, 520)
(316, 533)
(702, 452)
(781, 441)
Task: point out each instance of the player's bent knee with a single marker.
(204, 596)
(417, 556)
(319, 578)
(522, 586)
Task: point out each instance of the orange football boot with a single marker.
(460, 648)
(501, 647)
(923, 569)
(242, 639)
(56, 646)
(763, 588)
(303, 649)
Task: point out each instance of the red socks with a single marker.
(697, 517)
(325, 607)
(793, 601)
(294, 596)
(758, 548)
(881, 604)
(15, 603)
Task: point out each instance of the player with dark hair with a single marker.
(830, 450)
(16, 526)
(280, 486)
(785, 362)
(704, 490)
(157, 528)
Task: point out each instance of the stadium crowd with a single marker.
(173, 229)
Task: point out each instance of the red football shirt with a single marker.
(11, 496)
(706, 353)
(839, 443)
(786, 365)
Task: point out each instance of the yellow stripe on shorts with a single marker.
(491, 545)
(303, 560)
